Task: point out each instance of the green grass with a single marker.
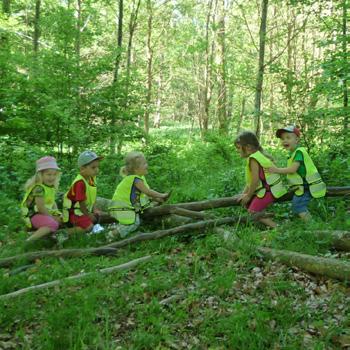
(223, 302)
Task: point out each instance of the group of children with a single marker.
(263, 180)
(133, 194)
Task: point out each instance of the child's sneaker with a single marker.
(97, 229)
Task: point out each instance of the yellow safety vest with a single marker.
(317, 187)
(273, 180)
(122, 208)
(49, 201)
(91, 194)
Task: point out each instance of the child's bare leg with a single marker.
(306, 216)
(39, 233)
(268, 222)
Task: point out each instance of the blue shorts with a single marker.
(299, 203)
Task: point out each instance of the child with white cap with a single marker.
(39, 209)
(79, 202)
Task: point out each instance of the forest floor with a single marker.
(191, 294)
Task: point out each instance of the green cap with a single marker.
(87, 157)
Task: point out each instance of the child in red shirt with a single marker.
(79, 201)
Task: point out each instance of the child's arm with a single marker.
(252, 186)
(289, 170)
(85, 211)
(151, 193)
(40, 204)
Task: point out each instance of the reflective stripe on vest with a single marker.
(91, 193)
(317, 187)
(273, 180)
(122, 208)
(49, 202)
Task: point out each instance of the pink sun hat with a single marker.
(45, 163)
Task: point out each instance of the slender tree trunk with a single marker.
(113, 137)
(6, 9)
(6, 6)
(345, 66)
(222, 112)
(149, 66)
(132, 27)
(119, 41)
(156, 121)
(206, 92)
(260, 75)
(241, 115)
(36, 35)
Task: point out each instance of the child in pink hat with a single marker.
(39, 209)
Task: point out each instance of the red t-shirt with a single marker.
(77, 192)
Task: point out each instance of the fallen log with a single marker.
(107, 270)
(200, 225)
(223, 202)
(32, 256)
(112, 248)
(339, 239)
(325, 267)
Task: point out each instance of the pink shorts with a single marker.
(40, 220)
(259, 204)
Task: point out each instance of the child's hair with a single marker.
(248, 138)
(132, 162)
(37, 179)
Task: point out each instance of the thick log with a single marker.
(32, 256)
(325, 267)
(339, 239)
(107, 270)
(200, 225)
(112, 248)
(223, 202)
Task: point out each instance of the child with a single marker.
(262, 187)
(39, 208)
(79, 201)
(131, 195)
(301, 171)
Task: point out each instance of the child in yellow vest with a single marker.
(79, 201)
(262, 187)
(132, 194)
(39, 208)
(302, 174)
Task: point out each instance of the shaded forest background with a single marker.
(77, 74)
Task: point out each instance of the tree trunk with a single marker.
(63, 253)
(339, 239)
(149, 66)
(36, 35)
(201, 225)
(206, 90)
(6, 6)
(222, 112)
(103, 203)
(260, 75)
(132, 27)
(113, 137)
(107, 270)
(110, 249)
(345, 68)
(324, 267)
(241, 115)
(119, 41)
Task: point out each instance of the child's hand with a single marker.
(97, 212)
(58, 218)
(245, 199)
(272, 170)
(92, 217)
